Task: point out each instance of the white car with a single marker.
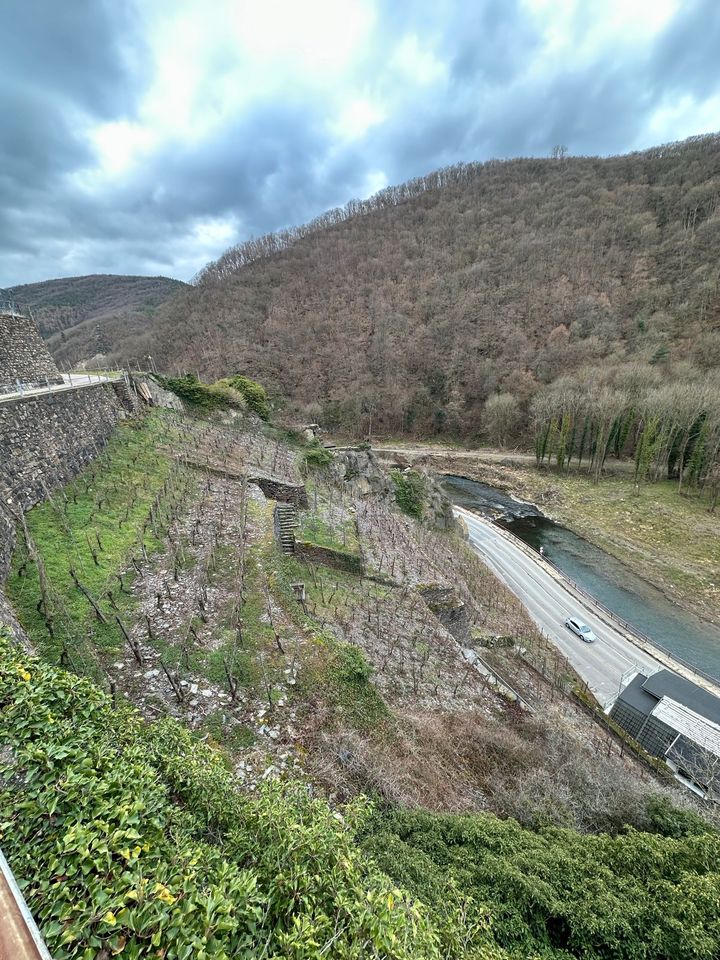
(581, 629)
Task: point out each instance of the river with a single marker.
(612, 582)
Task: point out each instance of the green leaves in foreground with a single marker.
(128, 839)
(556, 893)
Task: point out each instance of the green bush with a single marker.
(556, 893)
(253, 393)
(203, 396)
(129, 838)
(410, 491)
(317, 456)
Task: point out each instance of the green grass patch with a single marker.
(326, 522)
(92, 527)
(334, 671)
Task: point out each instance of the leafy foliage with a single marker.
(203, 396)
(253, 393)
(146, 849)
(317, 456)
(410, 491)
(555, 893)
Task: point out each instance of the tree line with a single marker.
(403, 314)
(671, 429)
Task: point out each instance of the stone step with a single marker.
(286, 523)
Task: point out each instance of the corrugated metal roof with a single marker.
(693, 726)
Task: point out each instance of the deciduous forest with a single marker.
(447, 304)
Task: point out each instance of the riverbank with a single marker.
(668, 539)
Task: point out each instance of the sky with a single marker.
(147, 137)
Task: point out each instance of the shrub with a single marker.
(129, 838)
(557, 893)
(253, 393)
(317, 456)
(410, 491)
(203, 396)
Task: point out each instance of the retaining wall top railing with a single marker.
(629, 628)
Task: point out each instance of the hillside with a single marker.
(226, 749)
(406, 312)
(84, 316)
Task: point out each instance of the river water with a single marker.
(616, 585)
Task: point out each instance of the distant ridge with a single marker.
(97, 314)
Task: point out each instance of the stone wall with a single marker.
(294, 493)
(449, 609)
(23, 354)
(338, 559)
(46, 440)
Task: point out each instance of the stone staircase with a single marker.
(286, 523)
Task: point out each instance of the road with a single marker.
(549, 601)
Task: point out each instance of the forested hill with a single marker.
(418, 305)
(82, 316)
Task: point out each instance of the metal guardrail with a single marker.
(20, 938)
(629, 627)
(624, 624)
(9, 306)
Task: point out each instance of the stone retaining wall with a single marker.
(283, 492)
(449, 609)
(312, 553)
(46, 440)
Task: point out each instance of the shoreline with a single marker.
(519, 478)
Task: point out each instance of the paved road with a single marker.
(549, 601)
(70, 382)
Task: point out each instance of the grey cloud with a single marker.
(278, 162)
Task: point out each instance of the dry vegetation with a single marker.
(406, 313)
(158, 574)
(84, 316)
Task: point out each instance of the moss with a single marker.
(252, 392)
(203, 396)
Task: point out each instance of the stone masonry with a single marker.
(46, 440)
(24, 358)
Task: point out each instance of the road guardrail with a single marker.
(629, 628)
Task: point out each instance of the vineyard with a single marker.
(381, 658)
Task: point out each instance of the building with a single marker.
(25, 361)
(676, 721)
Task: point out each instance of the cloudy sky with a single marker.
(147, 137)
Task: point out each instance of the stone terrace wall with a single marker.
(23, 354)
(46, 440)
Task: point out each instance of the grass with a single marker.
(326, 524)
(92, 527)
(334, 671)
